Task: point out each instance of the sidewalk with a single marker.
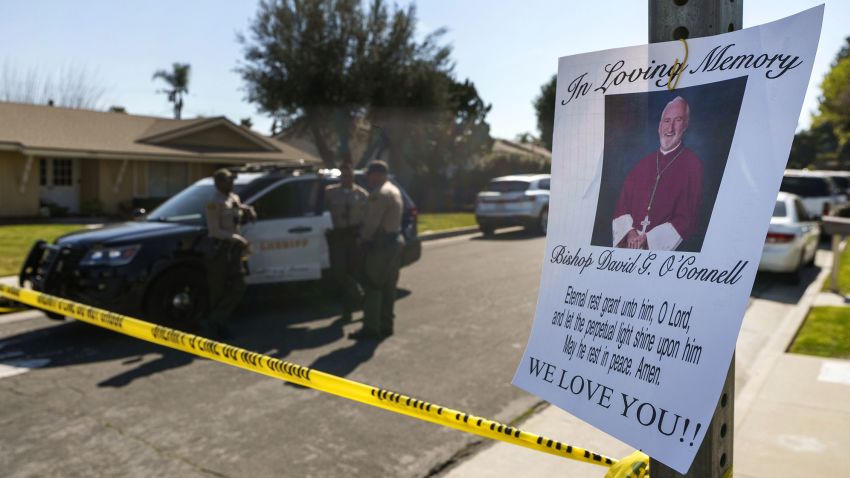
(792, 412)
(800, 423)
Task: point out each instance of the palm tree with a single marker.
(178, 82)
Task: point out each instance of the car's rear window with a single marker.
(507, 186)
(780, 210)
(805, 186)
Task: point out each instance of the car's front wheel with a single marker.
(178, 298)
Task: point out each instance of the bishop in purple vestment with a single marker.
(659, 203)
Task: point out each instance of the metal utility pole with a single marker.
(683, 19)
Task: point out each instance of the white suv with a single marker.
(518, 200)
(816, 189)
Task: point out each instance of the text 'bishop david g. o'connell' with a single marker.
(648, 263)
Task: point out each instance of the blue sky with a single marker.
(508, 48)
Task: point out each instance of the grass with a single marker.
(16, 241)
(825, 333)
(444, 221)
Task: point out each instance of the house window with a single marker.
(62, 172)
(166, 179)
(42, 172)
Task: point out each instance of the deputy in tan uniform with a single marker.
(346, 202)
(383, 244)
(224, 215)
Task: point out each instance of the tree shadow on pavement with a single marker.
(341, 362)
(266, 322)
(784, 288)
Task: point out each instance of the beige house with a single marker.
(102, 162)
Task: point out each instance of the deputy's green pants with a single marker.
(345, 258)
(227, 284)
(380, 276)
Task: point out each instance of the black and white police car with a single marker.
(155, 267)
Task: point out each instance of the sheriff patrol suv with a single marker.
(155, 267)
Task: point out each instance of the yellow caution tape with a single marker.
(304, 376)
(635, 465)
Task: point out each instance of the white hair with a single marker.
(681, 100)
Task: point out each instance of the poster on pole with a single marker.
(667, 161)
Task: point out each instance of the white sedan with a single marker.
(792, 238)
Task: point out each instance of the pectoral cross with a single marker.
(645, 221)
(644, 224)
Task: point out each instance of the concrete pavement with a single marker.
(792, 415)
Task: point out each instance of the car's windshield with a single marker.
(780, 210)
(188, 205)
(507, 186)
(805, 186)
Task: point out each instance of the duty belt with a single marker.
(344, 231)
(385, 237)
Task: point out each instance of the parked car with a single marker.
(518, 200)
(121, 267)
(816, 190)
(792, 237)
(841, 180)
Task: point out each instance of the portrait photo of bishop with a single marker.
(659, 202)
(664, 158)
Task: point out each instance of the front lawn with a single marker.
(16, 241)
(443, 221)
(825, 333)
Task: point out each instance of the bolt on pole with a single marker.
(675, 20)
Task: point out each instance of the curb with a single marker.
(776, 346)
(10, 280)
(458, 231)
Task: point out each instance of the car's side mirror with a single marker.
(138, 213)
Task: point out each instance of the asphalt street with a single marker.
(79, 401)
(99, 404)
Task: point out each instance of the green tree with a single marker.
(544, 106)
(828, 139)
(525, 138)
(433, 146)
(178, 85)
(844, 52)
(834, 107)
(332, 68)
(811, 145)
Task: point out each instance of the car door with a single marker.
(288, 239)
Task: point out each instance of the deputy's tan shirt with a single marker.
(224, 214)
(383, 214)
(347, 206)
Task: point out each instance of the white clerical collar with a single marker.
(674, 148)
